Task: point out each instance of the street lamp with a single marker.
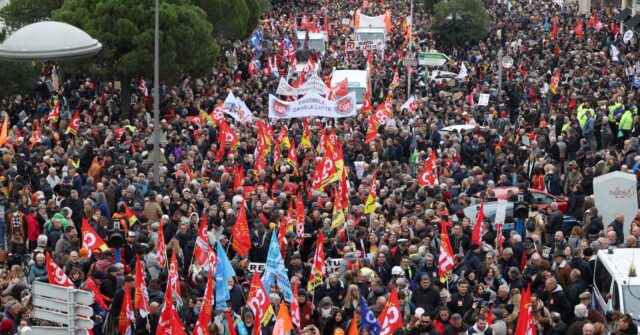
(453, 17)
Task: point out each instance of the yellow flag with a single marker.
(5, 130)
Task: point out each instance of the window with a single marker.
(615, 301)
(632, 300)
(602, 280)
(539, 198)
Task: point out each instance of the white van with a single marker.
(317, 41)
(357, 81)
(613, 287)
(371, 34)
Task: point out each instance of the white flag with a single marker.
(614, 54)
(410, 104)
(463, 72)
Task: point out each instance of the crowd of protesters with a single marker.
(586, 126)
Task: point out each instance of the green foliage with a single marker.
(19, 13)
(17, 77)
(471, 27)
(126, 30)
(233, 19)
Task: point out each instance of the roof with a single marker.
(633, 22)
(312, 36)
(48, 40)
(619, 263)
(612, 175)
(623, 15)
(360, 76)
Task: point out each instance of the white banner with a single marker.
(236, 108)
(351, 46)
(371, 21)
(312, 104)
(314, 84)
(331, 265)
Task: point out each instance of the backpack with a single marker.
(531, 224)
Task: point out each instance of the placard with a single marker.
(484, 99)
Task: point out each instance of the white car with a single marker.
(439, 76)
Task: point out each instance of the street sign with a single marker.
(61, 293)
(61, 306)
(432, 58)
(410, 62)
(63, 318)
(64, 305)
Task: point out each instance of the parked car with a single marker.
(540, 198)
(490, 215)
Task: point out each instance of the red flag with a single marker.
(300, 217)
(55, 274)
(476, 236)
(396, 80)
(206, 312)
(131, 217)
(446, 260)
(241, 241)
(259, 304)
(74, 124)
(614, 29)
(428, 176)
(554, 31)
(238, 178)
(344, 189)
(200, 252)
(340, 90)
(54, 115)
(318, 269)
(391, 319)
(579, 30)
(295, 307)
(174, 280)
(526, 321)
(292, 156)
(169, 323)
(372, 131)
(91, 239)
(126, 312)
(500, 237)
(366, 105)
(229, 319)
(324, 170)
(161, 249)
(141, 298)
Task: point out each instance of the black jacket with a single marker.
(429, 299)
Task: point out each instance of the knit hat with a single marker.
(6, 326)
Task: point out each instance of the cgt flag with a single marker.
(241, 242)
(74, 124)
(259, 303)
(318, 270)
(55, 274)
(91, 239)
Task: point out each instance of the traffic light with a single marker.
(521, 210)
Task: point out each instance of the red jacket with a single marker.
(33, 227)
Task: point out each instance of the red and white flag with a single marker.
(141, 299)
(142, 87)
(411, 104)
(318, 270)
(161, 249)
(446, 260)
(396, 80)
(91, 239)
(391, 319)
(126, 312)
(56, 274)
(206, 312)
(258, 302)
(428, 176)
(201, 248)
(295, 307)
(169, 323)
(174, 279)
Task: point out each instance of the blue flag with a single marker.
(224, 271)
(368, 320)
(274, 269)
(546, 24)
(636, 81)
(256, 39)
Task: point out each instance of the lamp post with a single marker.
(157, 137)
